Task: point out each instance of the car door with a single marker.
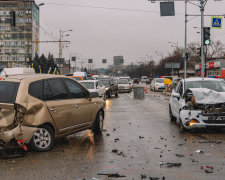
(59, 105)
(176, 102)
(99, 89)
(114, 86)
(83, 107)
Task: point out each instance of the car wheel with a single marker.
(181, 126)
(98, 124)
(116, 95)
(43, 139)
(172, 118)
(110, 94)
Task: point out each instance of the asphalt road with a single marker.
(143, 139)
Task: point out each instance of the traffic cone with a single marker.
(146, 90)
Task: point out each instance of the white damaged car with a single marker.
(198, 103)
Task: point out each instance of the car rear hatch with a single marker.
(8, 92)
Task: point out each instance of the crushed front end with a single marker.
(203, 108)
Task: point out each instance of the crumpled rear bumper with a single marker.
(20, 132)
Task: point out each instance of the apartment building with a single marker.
(18, 40)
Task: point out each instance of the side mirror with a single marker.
(94, 95)
(176, 95)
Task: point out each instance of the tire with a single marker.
(116, 95)
(43, 139)
(181, 126)
(110, 94)
(98, 124)
(172, 118)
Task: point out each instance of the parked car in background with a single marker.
(78, 78)
(129, 80)
(148, 81)
(110, 86)
(144, 79)
(83, 75)
(95, 86)
(157, 84)
(198, 103)
(37, 108)
(124, 85)
(136, 81)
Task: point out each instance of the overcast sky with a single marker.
(117, 29)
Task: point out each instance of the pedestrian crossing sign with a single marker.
(216, 22)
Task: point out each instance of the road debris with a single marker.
(143, 176)
(115, 151)
(170, 164)
(199, 151)
(179, 155)
(115, 175)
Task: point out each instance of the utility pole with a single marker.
(202, 38)
(185, 42)
(60, 44)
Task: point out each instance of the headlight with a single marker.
(107, 89)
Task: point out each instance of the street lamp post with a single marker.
(60, 40)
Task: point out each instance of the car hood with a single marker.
(207, 96)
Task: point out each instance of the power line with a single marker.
(102, 7)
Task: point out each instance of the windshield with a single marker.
(88, 85)
(122, 81)
(159, 80)
(105, 82)
(128, 79)
(8, 92)
(218, 86)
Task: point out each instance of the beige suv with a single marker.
(35, 109)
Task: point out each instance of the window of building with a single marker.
(7, 43)
(14, 51)
(21, 43)
(7, 51)
(14, 36)
(21, 51)
(7, 58)
(21, 35)
(14, 43)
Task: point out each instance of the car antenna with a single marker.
(6, 75)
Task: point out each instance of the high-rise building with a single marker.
(19, 32)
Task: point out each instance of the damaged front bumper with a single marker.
(194, 119)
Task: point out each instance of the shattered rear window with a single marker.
(8, 91)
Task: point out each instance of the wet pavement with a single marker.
(138, 142)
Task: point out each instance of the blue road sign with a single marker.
(216, 22)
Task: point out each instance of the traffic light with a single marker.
(73, 58)
(199, 51)
(13, 18)
(206, 35)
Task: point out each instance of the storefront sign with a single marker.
(209, 65)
